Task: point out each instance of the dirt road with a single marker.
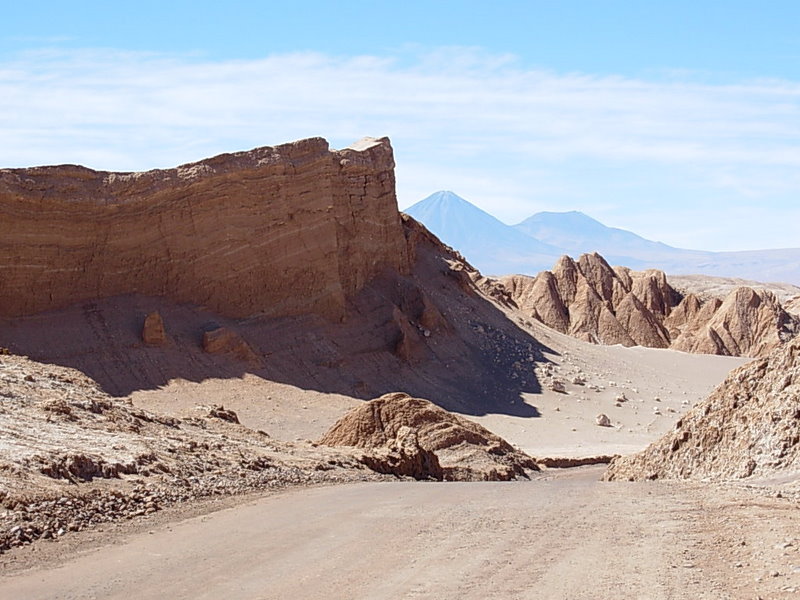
(571, 537)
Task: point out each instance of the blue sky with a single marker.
(678, 120)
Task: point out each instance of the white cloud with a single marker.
(483, 125)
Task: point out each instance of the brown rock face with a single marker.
(749, 426)
(153, 333)
(404, 457)
(748, 323)
(225, 341)
(465, 450)
(793, 306)
(280, 231)
(593, 302)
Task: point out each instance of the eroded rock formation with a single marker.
(224, 341)
(793, 306)
(153, 332)
(464, 449)
(592, 301)
(749, 426)
(279, 231)
(748, 323)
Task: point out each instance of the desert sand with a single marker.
(651, 380)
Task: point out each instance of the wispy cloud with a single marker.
(481, 124)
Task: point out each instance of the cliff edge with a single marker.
(278, 231)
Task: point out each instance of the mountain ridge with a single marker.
(574, 233)
(475, 233)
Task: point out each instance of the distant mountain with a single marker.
(576, 232)
(537, 242)
(492, 246)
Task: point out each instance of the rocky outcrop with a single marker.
(404, 457)
(465, 450)
(793, 306)
(591, 301)
(279, 231)
(594, 302)
(73, 457)
(224, 341)
(749, 426)
(748, 323)
(707, 286)
(153, 333)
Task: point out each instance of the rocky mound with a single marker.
(592, 301)
(463, 450)
(282, 230)
(749, 426)
(72, 456)
(747, 323)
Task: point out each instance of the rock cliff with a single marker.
(279, 231)
(749, 426)
(592, 301)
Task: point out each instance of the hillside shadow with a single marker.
(482, 363)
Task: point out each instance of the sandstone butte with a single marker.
(275, 231)
(597, 303)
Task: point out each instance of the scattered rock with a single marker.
(146, 461)
(217, 411)
(153, 333)
(602, 420)
(749, 426)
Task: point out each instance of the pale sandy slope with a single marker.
(658, 385)
(568, 538)
(566, 425)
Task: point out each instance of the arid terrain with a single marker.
(251, 377)
(569, 537)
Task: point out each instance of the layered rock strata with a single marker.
(280, 231)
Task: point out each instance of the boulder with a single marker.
(602, 420)
(465, 450)
(153, 333)
(404, 457)
(224, 341)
